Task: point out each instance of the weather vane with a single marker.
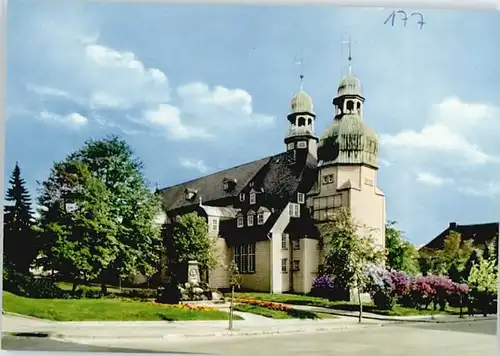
(349, 43)
(300, 61)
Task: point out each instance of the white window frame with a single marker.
(244, 257)
(294, 210)
(242, 197)
(290, 146)
(252, 198)
(302, 144)
(284, 265)
(240, 221)
(301, 198)
(215, 224)
(260, 218)
(250, 219)
(284, 242)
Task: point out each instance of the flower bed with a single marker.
(295, 313)
(186, 307)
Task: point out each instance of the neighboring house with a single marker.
(266, 212)
(479, 233)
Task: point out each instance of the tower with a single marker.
(348, 163)
(300, 139)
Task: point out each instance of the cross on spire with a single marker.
(300, 62)
(349, 58)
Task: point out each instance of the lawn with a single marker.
(269, 313)
(104, 309)
(341, 305)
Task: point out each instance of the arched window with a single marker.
(302, 121)
(350, 106)
(309, 122)
(358, 107)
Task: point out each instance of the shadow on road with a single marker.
(37, 343)
(487, 327)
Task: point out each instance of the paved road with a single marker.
(465, 339)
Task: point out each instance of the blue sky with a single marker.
(195, 89)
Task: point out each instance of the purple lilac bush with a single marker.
(385, 286)
(322, 286)
(425, 290)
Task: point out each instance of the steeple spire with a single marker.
(301, 63)
(349, 58)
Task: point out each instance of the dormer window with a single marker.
(239, 221)
(301, 198)
(260, 218)
(252, 198)
(294, 210)
(242, 197)
(250, 219)
(228, 184)
(189, 194)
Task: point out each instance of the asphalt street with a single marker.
(464, 338)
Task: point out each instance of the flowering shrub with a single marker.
(187, 307)
(322, 286)
(400, 281)
(269, 305)
(425, 290)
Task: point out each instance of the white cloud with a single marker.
(489, 189)
(73, 119)
(432, 179)
(447, 132)
(219, 105)
(168, 118)
(198, 165)
(47, 91)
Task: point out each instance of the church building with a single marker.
(265, 213)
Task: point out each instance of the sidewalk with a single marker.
(415, 318)
(253, 325)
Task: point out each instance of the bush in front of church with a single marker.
(323, 286)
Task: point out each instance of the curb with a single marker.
(235, 333)
(27, 317)
(423, 319)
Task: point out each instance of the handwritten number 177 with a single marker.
(405, 18)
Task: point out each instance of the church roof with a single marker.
(479, 233)
(278, 180)
(301, 102)
(211, 187)
(349, 85)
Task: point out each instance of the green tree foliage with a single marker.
(78, 232)
(401, 254)
(109, 166)
(112, 161)
(347, 253)
(190, 240)
(19, 237)
(483, 277)
(451, 259)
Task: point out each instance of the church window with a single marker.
(327, 179)
(294, 210)
(252, 198)
(302, 144)
(240, 221)
(244, 257)
(301, 198)
(296, 265)
(302, 121)
(242, 197)
(260, 218)
(358, 106)
(296, 244)
(350, 106)
(309, 122)
(284, 242)
(284, 265)
(215, 225)
(250, 219)
(290, 146)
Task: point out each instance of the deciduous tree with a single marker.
(347, 253)
(401, 254)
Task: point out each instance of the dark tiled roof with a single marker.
(210, 187)
(479, 233)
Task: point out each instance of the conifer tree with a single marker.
(19, 249)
